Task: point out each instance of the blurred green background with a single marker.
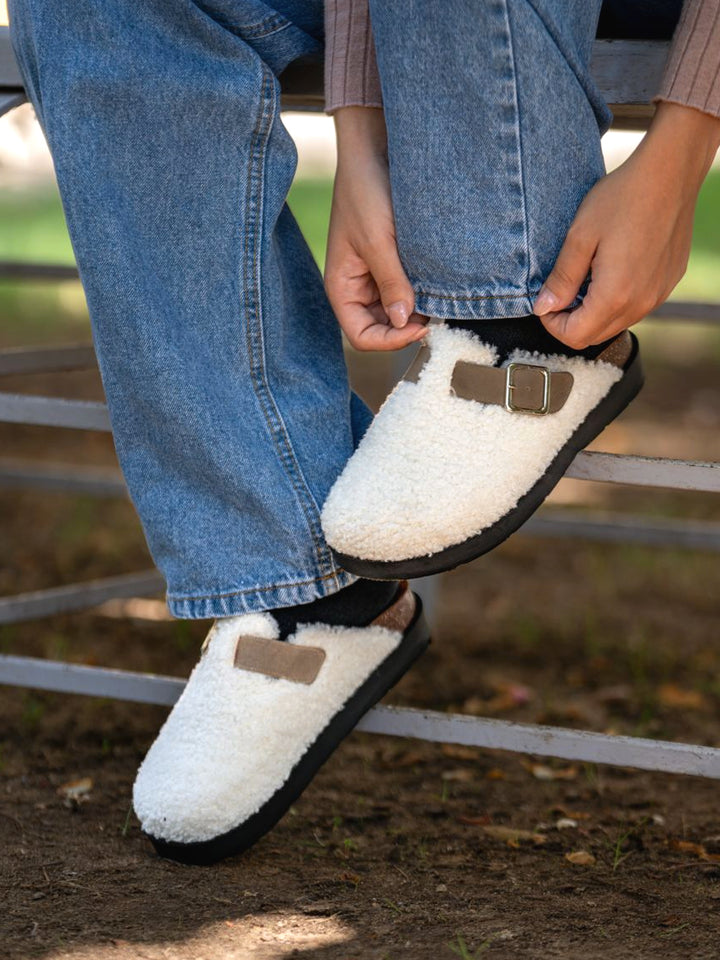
(32, 228)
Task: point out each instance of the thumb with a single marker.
(569, 273)
(396, 294)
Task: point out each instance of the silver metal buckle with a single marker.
(510, 387)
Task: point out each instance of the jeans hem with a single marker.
(257, 599)
(474, 307)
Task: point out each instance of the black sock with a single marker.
(524, 333)
(353, 606)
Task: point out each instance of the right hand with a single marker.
(364, 278)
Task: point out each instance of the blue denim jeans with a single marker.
(221, 360)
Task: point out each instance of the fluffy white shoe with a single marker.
(257, 719)
(463, 451)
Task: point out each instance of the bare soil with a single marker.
(399, 849)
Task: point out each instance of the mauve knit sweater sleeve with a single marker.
(692, 71)
(691, 77)
(351, 74)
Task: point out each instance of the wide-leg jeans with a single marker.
(221, 360)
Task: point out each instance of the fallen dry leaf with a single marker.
(463, 775)
(542, 772)
(409, 758)
(671, 695)
(474, 705)
(581, 858)
(495, 774)
(458, 752)
(514, 837)
(686, 846)
(76, 791)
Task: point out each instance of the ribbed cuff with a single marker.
(351, 73)
(692, 72)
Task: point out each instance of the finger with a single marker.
(384, 337)
(588, 324)
(568, 275)
(366, 328)
(396, 294)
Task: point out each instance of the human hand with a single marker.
(364, 278)
(632, 232)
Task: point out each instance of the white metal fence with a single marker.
(627, 72)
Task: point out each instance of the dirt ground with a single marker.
(399, 849)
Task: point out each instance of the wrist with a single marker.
(684, 139)
(361, 132)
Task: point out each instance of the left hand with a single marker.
(364, 278)
(632, 232)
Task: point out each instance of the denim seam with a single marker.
(273, 23)
(254, 334)
(489, 296)
(518, 142)
(239, 593)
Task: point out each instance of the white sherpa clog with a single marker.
(463, 451)
(256, 720)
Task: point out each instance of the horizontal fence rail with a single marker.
(646, 471)
(23, 270)
(53, 412)
(25, 360)
(624, 528)
(434, 726)
(610, 527)
(604, 467)
(62, 478)
(544, 741)
(78, 596)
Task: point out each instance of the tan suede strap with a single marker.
(528, 388)
(294, 661)
(618, 352)
(276, 658)
(519, 387)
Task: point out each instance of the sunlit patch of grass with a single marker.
(310, 202)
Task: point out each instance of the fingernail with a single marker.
(398, 313)
(546, 302)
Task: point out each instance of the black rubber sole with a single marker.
(380, 681)
(618, 397)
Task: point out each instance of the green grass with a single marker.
(310, 202)
(32, 227)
